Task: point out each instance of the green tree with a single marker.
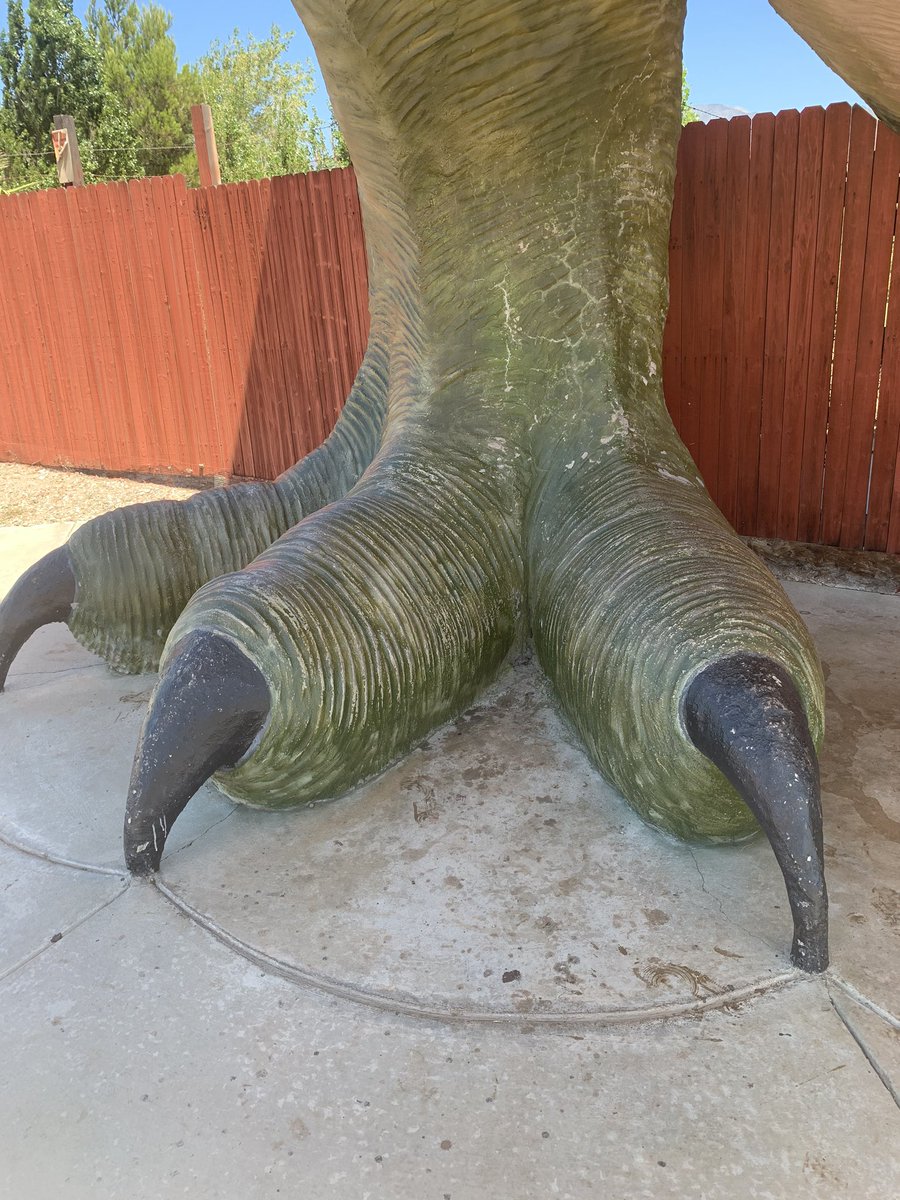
(264, 120)
(687, 113)
(340, 155)
(48, 64)
(141, 71)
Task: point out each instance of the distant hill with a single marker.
(712, 112)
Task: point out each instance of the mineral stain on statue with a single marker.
(504, 467)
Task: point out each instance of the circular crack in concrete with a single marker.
(492, 875)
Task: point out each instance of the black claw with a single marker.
(206, 711)
(744, 713)
(45, 593)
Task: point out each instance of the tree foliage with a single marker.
(687, 113)
(141, 71)
(48, 64)
(264, 121)
(117, 74)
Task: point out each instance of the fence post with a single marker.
(65, 148)
(205, 145)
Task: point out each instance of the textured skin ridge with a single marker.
(373, 620)
(137, 567)
(636, 583)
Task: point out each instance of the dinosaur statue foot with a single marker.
(44, 594)
(330, 656)
(745, 715)
(691, 679)
(205, 713)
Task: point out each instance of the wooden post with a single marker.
(205, 145)
(65, 147)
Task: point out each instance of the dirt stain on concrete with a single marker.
(655, 917)
(886, 902)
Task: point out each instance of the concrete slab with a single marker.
(41, 903)
(648, 1038)
(151, 1062)
(493, 872)
(876, 1034)
(22, 545)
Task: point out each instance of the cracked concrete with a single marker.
(480, 973)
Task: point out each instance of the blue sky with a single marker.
(737, 52)
(741, 53)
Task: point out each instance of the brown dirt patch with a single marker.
(35, 495)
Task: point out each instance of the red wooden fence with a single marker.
(145, 326)
(782, 363)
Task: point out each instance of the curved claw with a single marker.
(744, 713)
(207, 709)
(45, 593)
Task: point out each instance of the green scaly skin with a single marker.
(516, 169)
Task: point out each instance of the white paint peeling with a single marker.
(677, 478)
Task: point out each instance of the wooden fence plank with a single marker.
(73, 309)
(309, 251)
(711, 299)
(262, 413)
(762, 148)
(211, 455)
(113, 318)
(850, 285)
(301, 390)
(24, 371)
(737, 186)
(778, 295)
(330, 289)
(886, 449)
(182, 397)
(38, 322)
(281, 402)
(133, 347)
(886, 452)
(829, 224)
(870, 342)
(213, 305)
(113, 448)
(800, 308)
(237, 281)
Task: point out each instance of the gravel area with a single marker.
(35, 495)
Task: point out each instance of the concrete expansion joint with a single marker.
(15, 967)
(835, 984)
(58, 860)
(410, 1006)
(836, 987)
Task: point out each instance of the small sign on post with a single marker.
(65, 150)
